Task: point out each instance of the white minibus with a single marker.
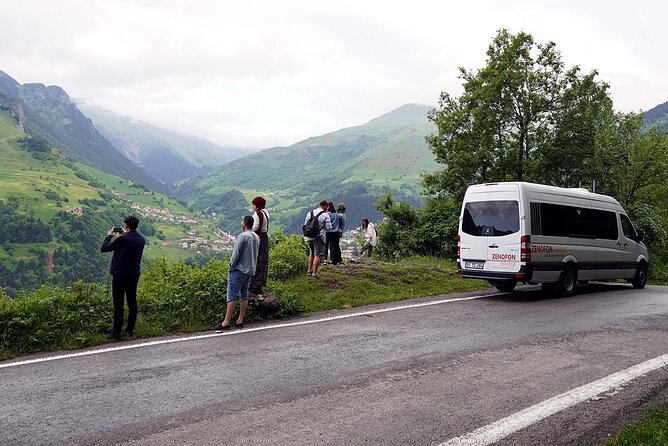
(532, 233)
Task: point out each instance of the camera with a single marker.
(118, 229)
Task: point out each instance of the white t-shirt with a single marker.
(265, 221)
(323, 219)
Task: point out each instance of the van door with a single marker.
(629, 247)
(473, 236)
(490, 232)
(608, 243)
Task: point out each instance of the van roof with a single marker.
(534, 187)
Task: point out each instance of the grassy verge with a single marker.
(354, 284)
(176, 298)
(650, 430)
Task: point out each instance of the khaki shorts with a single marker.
(316, 248)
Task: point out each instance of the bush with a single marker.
(288, 256)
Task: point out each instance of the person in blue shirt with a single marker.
(243, 264)
(333, 236)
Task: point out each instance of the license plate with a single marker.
(474, 265)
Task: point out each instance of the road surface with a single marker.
(425, 372)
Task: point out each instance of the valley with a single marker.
(69, 206)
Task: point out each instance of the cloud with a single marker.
(275, 72)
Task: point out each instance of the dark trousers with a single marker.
(124, 287)
(333, 246)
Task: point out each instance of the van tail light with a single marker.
(525, 249)
(459, 247)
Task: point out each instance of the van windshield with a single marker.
(491, 218)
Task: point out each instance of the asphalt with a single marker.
(417, 375)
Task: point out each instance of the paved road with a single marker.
(418, 375)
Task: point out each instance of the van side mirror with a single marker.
(641, 234)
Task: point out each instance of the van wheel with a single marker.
(565, 286)
(506, 286)
(640, 279)
(567, 282)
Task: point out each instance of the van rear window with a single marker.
(491, 218)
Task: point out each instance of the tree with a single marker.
(523, 117)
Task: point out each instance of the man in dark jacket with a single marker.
(128, 248)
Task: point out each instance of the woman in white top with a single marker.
(261, 228)
(370, 237)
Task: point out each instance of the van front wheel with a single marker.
(640, 279)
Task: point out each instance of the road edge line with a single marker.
(504, 427)
(237, 332)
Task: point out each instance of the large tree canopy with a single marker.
(522, 117)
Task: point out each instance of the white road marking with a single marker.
(229, 333)
(500, 429)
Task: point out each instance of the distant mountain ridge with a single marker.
(657, 117)
(167, 155)
(356, 164)
(48, 113)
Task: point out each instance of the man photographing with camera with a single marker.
(125, 269)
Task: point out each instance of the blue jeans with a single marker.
(237, 285)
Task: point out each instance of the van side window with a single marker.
(627, 227)
(491, 218)
(557, 220)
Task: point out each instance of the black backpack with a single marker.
(312, 227)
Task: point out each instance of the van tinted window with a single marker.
(491, 218)
(570, 221)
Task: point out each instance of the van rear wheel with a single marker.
(565, 286)
(505, 286)
(567, 282)
(640, 279)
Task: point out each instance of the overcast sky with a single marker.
(275, 72)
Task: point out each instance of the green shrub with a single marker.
(288, 256)
(171, 297)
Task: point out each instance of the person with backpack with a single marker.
(316, 223)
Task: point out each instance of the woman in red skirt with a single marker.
(261, 228)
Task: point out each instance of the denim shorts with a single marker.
(316, 247)
(237, 285)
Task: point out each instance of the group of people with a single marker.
(249, 262)
(332, 223)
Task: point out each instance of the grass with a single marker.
(372, 282)
(178, 299)
(650, 430)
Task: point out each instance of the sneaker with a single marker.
(219, 327)
(309, 273)
(240, 325)
(316, 276)
(114, 337)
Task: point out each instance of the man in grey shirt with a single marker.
(242, 267)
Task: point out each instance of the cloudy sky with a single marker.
(263, 73)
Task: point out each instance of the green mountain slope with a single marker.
(355, 165)
(48, 112)
(168, 156)
(658, 117)
(42, 241)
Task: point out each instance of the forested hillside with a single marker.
(48, 113)
(356, 165)
(657, 117)
(54, 213)
(167, 155)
